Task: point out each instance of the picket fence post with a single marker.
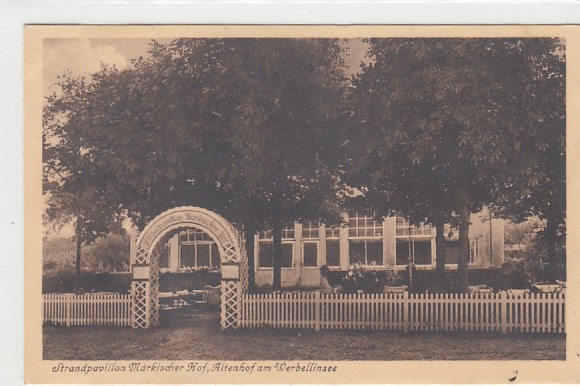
(317, 310)
(503, 298)
(406, 311)
(68, 300)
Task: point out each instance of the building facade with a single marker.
(382, 245)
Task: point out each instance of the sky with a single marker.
(84, 56)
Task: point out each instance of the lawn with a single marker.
(199, 337)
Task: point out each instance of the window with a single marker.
(266, 254)
(413, 242)
(452, 251)
(200, 254)
(364, 226)
(402, 252)
(332, 253)
(187, 258)
(266, 249)
(403, 228)
(310, 254)
(310, 231)
(367, 252)
(287, 234)
(420, 251)
(365, 242)
(207, 255)
(332, 246)
(473, 250)
(192, 235)
(197, 249)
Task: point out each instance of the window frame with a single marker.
(376, 235)
(472, 261)
(312, 242)
(473, 251)
(366, 241)
(267, 237)
(376, 229)
(309, 229)
(272, 242)
(334, 236)
(195, 244)
(424, 232)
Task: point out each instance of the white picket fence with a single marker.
(87, 309)
(500, 312)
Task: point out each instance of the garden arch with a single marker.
(145, 264)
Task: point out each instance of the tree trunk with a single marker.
(78, 241)
(250, 232)
(440, 252)
(550, 242)
(277, 239)
(277, 235)
(463, 258)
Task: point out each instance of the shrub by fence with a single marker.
(87, 309)
(428, 280)
(500, 312)
(62, 281)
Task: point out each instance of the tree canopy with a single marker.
(264, 132)
(245, 127)
(445, 126)
(77, 190)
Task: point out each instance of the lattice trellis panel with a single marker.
(230, 255)
(232, 291)
(244, 279)
(140, 304)
(142, 256)
(154, 291)
(231, 300)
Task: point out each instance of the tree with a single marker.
(75, 190)
(436, 122)
(536, 179)
(240, 126)
(109, 253)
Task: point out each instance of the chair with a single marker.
(167, 301)
(213, 295)
(394, 290)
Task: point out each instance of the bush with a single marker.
(545, 264)
(374, 281)
(358, 278)
(62, 281)
(515, 276)
(108, 254)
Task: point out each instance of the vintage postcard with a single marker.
(301, 204)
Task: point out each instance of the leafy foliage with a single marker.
(250, 128)
(444, 126)
(109, 254)
(76, 190)
(245, 127)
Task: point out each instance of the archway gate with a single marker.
(145, 264)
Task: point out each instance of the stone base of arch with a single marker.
(145, 269)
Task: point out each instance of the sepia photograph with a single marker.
(263, 205)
